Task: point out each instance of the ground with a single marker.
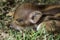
(7, 33)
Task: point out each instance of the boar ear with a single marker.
(35, 16)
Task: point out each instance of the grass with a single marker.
(31, 35)
(11, 34)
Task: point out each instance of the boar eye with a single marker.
(19, 20)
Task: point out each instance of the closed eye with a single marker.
(19, 20)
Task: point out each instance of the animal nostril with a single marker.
(19, 20)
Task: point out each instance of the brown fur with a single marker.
(46, 12)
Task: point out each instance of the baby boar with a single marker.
(51, 9)
(54, 17)
(51, 25)
(27, 15)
